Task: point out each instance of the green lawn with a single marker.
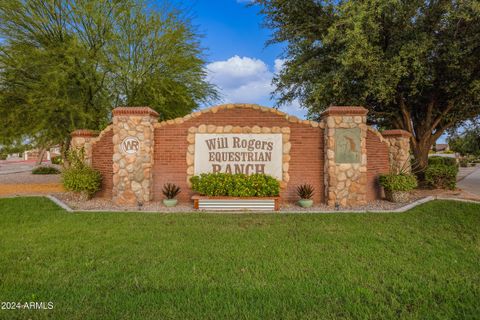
(422, 264)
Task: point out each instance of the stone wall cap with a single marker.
(345, 110)
(84, 133)
(396, 133)
(127, 111)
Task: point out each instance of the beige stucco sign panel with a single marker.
(238, 153)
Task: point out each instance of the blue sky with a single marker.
(232, 28)
(238, 60)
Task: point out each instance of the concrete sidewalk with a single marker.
(471, 183)
(465, 171)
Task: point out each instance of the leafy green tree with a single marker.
(65, 64)
(157, 61)
(466, 143)
(50, 78)
(414, 64)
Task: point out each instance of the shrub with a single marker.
(80, 177)
(441, 176)
(76, 158)
(398, 182)
(463, 162)
(305, 191)
(235, 185)
(57, 160)
(474, 159)
(170, 191)
(84, 180)
(45, 170)
(442, 160)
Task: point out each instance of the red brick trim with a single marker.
(129, 111)
(345, 111)
(396, 133)
(216, 109)
(84, 133)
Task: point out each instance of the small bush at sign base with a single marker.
(235, 185)
(305, 191)
(84, 180)
(398, 182)
(170, 191)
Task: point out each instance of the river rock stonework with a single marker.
(345, 155)
(399, 150)
(84, 138)
(133, 154)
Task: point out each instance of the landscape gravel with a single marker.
(102, 204)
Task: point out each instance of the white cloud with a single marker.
(238, 71)
(279, 64)
(247, 80)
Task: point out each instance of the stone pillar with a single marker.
(133, 141)
(398, 150)
(83, 139)
(345, 155)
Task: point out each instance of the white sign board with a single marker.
(239, 153)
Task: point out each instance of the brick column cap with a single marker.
(134, 111)
(84, 133)
(396, 133)
(345, 111)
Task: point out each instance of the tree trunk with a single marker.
(41, 154)
(420, 152)
(65, 147)
(425, 131)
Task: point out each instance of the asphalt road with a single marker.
(8, 167)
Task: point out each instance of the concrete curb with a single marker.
(59, 203)
(398, 210)
(413, 204)
(457, 199)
